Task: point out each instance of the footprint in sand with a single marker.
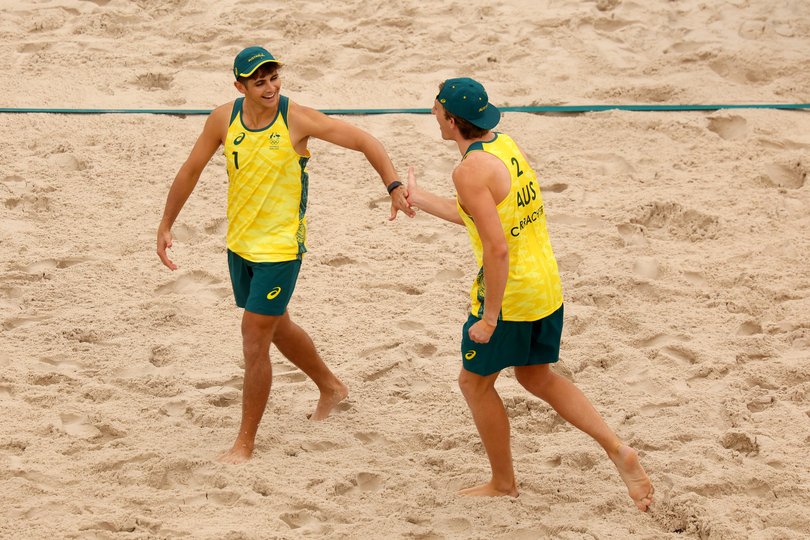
(367, 437)
(233, 382)
(398, 287)
(554, 188)
(363, 482)
(340, 260)
(47, 265)
(200, 285)
(680, 353)
(579, 221)
(185, 233)
(14, 185)
(660, 340)
(23, 321)
(426, 238)
(77, 425)
(685, 224)
(731, 69)
(375, 350)
(646, 267)
(410, 325)
(153, 81)
(61, 363)
(171, 473)
(730, 128)
(448, 275)
(425, 350)
(761, 403)
(379, 373)
(741, 442)
(174, 408)
(790, 174)
(610, 164)
(28, 203)
(632, 234)
(569, 262)
(67, 162)
(310, 521)
(217, 227)
(294, 376)
(695, 278)
(223, 397)
(379, 202)
(749, 328)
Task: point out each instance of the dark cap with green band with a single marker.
(249, 60)
(467, 99)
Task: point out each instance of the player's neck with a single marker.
(256, 115)
(464, 144)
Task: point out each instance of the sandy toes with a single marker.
(488, 490)
(236, 455)
(328, 401)
(638, 483)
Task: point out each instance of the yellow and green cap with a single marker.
(249, 60)
(467, 99)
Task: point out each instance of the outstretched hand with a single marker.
(399, 202)
(412, 187)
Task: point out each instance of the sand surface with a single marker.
(682, 238)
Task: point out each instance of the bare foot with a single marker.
(329, 400)
(638, 483)
(240, 453)
(488, 490)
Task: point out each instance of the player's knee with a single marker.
(532, 378)
(471, 385)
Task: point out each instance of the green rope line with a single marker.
(524, 109)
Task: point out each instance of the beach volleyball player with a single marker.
(265, 135)
(516, 317)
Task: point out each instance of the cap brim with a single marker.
(490, 118)
(252, 71)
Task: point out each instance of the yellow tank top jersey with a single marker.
(533, 287)
(267, 190)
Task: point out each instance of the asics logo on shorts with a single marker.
(273, 293)
(469, 355)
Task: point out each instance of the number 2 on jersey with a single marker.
(514, 162)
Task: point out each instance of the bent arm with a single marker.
(441, 207)
(309, 122)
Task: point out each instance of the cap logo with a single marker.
(255, 56)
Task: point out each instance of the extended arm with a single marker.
(441, 207)
(187, 177)
(311, 123)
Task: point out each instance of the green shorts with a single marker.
(263, 287)
(514, 343)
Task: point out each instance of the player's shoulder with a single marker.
(478, 161)
(223, 112)
(298, 110)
